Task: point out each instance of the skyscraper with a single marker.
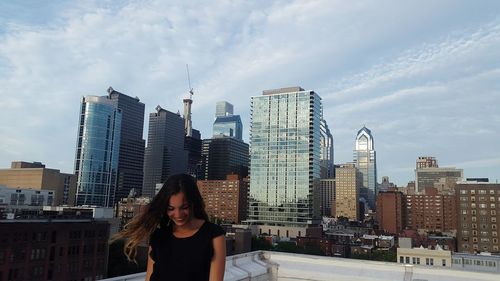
(327, 168)
(97, 151)
(227, 124)
(347, 187)
(285, 160)
(132, 145)
(366, 161)
(222, 156)
(223, 108)
(165, 154)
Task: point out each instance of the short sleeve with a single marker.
(153, 243)
(216, 230)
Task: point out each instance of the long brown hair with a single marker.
(142, 226)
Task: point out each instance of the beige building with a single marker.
(348, 183)
(478, 207)
(35, 176)
(422, 256)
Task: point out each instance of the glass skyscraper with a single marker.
(98, 146)
(165, 154)
(285, 158)
(327, 166)
(229, 126)
(132, 145)
(365, 160)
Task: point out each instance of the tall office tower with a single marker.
(34, 175)
(228, 126)
(132, 145)
(165, 154)
(97, 151)
(431, 211)
(327, 191)
(285, 160)
(327, 168)
(222, 156)
(348, 183)
(426, 162)
(478, 216)
(225, 200)
(365, 160)
(223, 108)
(391, 210)
(192, 145)
(428, 174)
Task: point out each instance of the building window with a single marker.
(401, 259)
(443, 262)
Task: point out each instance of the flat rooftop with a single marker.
(276, 266)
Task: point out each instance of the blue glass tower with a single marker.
(229, 126)
(98, 146)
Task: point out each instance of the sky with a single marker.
(423, 76)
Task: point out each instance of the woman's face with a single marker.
(179, 210)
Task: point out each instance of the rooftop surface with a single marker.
(275, 266)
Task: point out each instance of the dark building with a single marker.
(222, 156)
(52, 249)
(165, 154)
(192, 144)
(132, 145)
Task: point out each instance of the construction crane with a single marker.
(189, 82)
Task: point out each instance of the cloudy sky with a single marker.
(422, 75)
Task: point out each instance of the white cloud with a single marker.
(414, 83)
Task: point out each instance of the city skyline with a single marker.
(422, 76)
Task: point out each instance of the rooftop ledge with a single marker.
(276, 266)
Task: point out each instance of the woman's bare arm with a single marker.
(149, 269)
(218, 264)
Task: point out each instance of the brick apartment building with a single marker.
(431, 211)
(479, 216)
(391, 211)
(225, 200)
(44, 249)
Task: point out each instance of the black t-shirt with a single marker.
(183, 259)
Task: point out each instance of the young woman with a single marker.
(183, 244)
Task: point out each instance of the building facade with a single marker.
(327, 166)
(429, 174)
(225, 200)
(327, 191)
(431, 212)
(165, 154)
(97, 151)
(43, 249)
(365, 159)
(36, 176)
(223, 108)
(130, 173)
(222, 156)
(479, 217)
(391, 210)
(229, 126)
(285, 158)
(348, 183)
